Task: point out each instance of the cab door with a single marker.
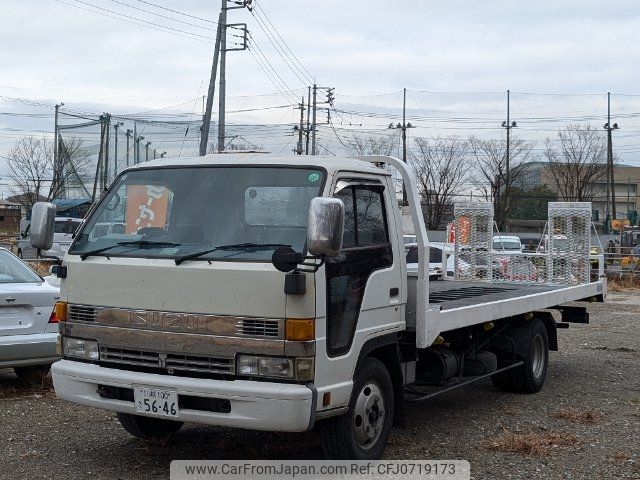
(363, 284)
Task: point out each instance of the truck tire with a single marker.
(148, 428)
(533, 349)
(362, 432)
(504, 381)
(480, 363)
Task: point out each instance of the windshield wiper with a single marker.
(134, 243)
(233, 246)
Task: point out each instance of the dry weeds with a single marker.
(529, 443)
(36, 384)
(585, 417)
(620, 283)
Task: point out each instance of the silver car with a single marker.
(28, 325)
(64, 229)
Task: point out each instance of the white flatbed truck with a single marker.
(270, 292)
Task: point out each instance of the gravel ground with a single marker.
(597, 370)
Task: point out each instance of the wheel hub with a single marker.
(368, 415)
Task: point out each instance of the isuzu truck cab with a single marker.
(271, 293)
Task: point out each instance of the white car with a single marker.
(28, 325)
(63, 236)
(506, 243)
(436, 251)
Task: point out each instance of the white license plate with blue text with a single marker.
(156, 401)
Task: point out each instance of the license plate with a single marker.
(155, 401)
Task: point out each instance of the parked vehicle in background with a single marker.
(28, 326)
(507, 243)
(436, 254)
(409, 240)
(63, 236)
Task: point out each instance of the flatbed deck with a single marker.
(455, 304)
(457, 294)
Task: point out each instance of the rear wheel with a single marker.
(148, 428)
(362, 432)
(532, 344)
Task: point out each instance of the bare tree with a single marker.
(237, 145)
(489, 172)
(441, 167)
(384, 145)
(31, 166)
(577, 162)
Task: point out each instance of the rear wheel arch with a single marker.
(552, 331)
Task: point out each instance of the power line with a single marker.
(309, 76)
(178, 12)
(279, 50)
(136, 21)
(209, 29)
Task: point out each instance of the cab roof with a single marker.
(330, 163)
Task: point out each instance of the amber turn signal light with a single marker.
(60, 311)
(300, 329)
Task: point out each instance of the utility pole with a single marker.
(299, 149)
(137, 149)
(508, 125)
(611, 184)
(100, 160)
(57, 173)
(308, 129)
(313, 121)
(206, 119)
(128, 134)
(115, 148)
(403, 128)
(222, 87)
(146, 153)
(404, 141)
(105, 166)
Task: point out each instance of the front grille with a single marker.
(168, 362)
(82, 313)
(256, 327)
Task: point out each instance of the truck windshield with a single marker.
(173, 212)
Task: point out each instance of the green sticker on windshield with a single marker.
(314, 177)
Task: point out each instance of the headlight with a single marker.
(275, 367)
(80, 348)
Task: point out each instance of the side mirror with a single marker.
(326, 226)
(43, 219)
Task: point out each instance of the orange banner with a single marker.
(463, 229)
(147, 206)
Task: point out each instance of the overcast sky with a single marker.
(60, 52)
(57, 52)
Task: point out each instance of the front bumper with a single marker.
(27, 350)
(254, 405)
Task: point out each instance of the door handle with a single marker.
(394, 295)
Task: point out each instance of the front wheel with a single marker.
(362, 432)
(148, 428)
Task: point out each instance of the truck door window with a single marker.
(366, 248)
